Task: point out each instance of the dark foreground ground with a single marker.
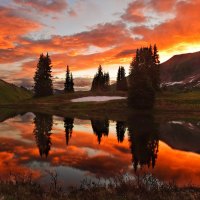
(144, 188)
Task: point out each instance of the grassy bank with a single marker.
(10, 93)
(144, 187)
(167, 103)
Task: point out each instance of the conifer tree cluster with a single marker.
(101, 81)
(43, 85)
(69, 83)
(42, 79)
(121, 80)
(144, 78)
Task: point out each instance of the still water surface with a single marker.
(94, 148)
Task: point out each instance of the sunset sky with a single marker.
(86, 33)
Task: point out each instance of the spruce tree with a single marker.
(69, 83)
(121, 80)
(106, 83)
(141, 93)
(43, 80)
(118, 78)
(156, 69)
(101, 81)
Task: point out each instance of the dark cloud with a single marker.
(125, 53)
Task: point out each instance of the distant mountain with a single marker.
(182, 70)
(10, 93)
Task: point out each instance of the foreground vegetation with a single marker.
(118, 188)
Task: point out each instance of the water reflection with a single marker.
(124, 147)
(120, 131)
(143, 137)
(68, 124)
(100, 128)
(42, 131)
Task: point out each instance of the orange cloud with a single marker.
(183, 28)
(13, 27)
(134, 12)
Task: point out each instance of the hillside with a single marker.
(182, 69)
(10, 93)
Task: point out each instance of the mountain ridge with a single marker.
(182, 69)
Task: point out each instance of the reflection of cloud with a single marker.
(177, 165)
(19, 150)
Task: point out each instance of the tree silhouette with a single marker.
(121, 80)
(68, 124)
(155, 74)
(120, 130)
(101, 81)
(100, 128)
(143, 137)
(42, 131)
(69, 83)
(141, 93)
(42, 80)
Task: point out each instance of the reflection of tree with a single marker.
(143, 136)
(43, 125)
(68, 124)
(120, 130)
(100, 127)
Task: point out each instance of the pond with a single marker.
(99, 148)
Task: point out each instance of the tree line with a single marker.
(43, 85)
(142, 83)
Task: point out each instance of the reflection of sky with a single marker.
(84, 156)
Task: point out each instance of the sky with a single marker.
(86, 33)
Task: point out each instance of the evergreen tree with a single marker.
(141, 93)
(42, 131)
(106, 83)
(69, 83)
(43, 80)
(118, 78)
(72, 83)
(121, 80)
(101, 81)
(156, 69)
